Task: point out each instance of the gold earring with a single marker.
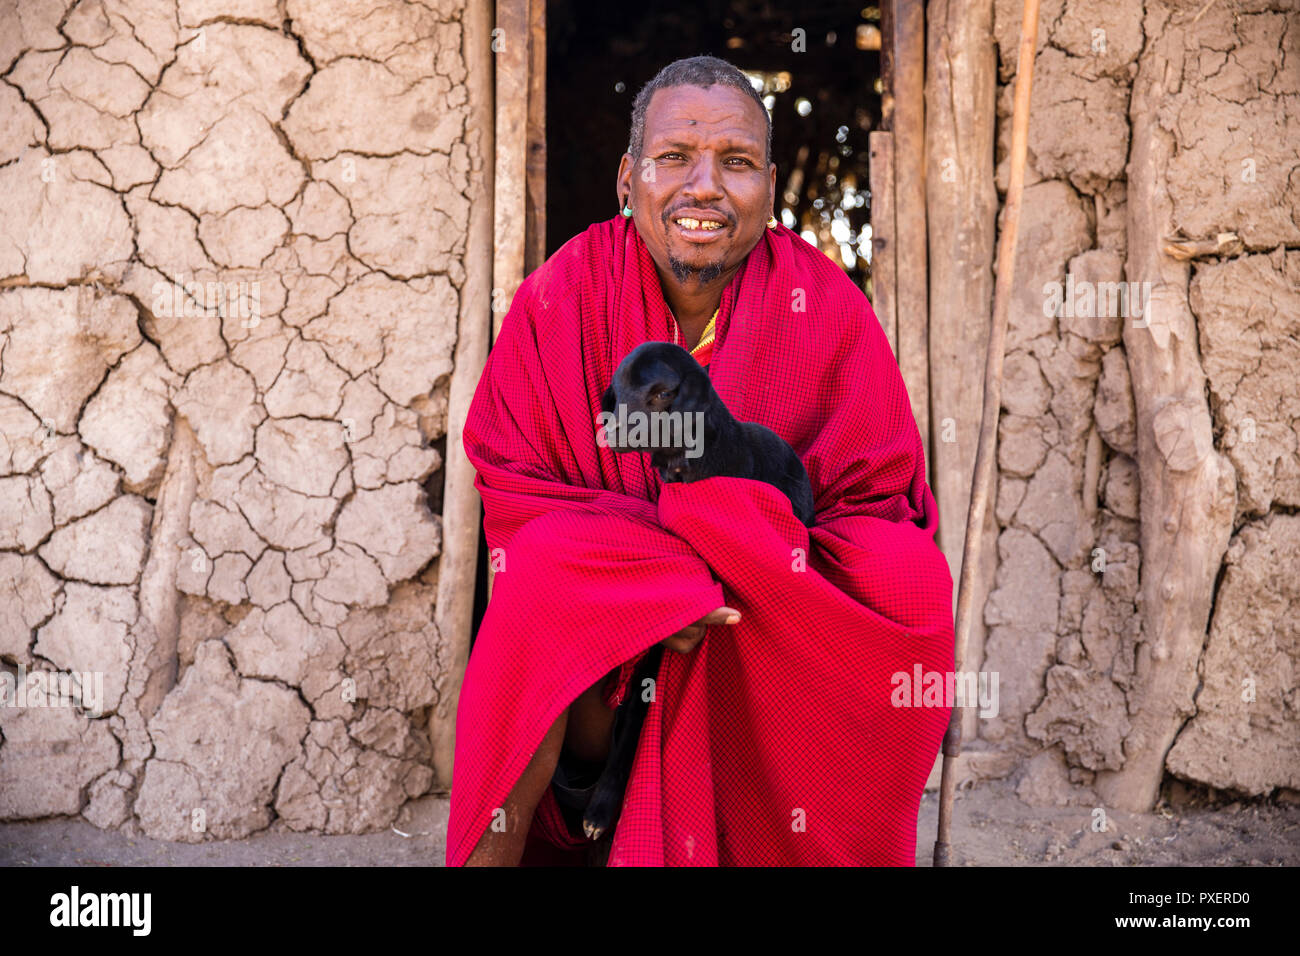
(771, 222)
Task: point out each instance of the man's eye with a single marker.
(671, 156)
(741, 159)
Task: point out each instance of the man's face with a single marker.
(703, 162)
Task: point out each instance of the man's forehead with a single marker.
(715, 110)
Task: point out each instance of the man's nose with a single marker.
(705, 181)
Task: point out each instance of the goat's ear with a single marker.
(693, 390)
(609, 401)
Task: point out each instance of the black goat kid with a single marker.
(661, 401)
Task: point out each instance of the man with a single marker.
(772, 735)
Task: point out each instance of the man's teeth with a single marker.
(698, 224)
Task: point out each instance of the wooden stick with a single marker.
(509, 235)
(911, 287)
(454, 611)
(962, 225)
(535, 141)
(884, 235)
(985, 454)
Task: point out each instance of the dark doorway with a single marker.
(821, 85)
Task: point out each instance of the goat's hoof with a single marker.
(602, 812)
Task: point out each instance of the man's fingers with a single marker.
(723, 615)
(679, 644)
(684, 641)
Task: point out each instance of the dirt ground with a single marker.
(992, 827)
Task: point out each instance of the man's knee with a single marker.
(541, 768)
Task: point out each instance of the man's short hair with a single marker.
(701, 71)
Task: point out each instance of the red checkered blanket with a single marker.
(779, 740)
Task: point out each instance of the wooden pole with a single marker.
(907, 124)
(511, 186)
(884, 236)
(454, 611)
(985, 454)
(1188, 487)
(535, 140)
(961, 221)
(520, 240)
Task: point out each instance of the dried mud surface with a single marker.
(991, 827)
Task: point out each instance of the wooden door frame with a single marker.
(519, 42)
(505, 52)
(504, 44)
(898, 154)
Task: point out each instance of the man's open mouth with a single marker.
(687, 223)
(699, 229)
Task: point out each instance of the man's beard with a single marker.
(683, 270)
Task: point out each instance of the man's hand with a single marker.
(685, 640)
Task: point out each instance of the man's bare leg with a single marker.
(583, 728)
(506, 847)
(590, 724)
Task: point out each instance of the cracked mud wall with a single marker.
(1066, 616)
(231, 254)
(232, 251)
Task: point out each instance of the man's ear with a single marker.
(623, 182)
(771, 189)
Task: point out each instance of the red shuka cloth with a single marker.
(777, 740)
